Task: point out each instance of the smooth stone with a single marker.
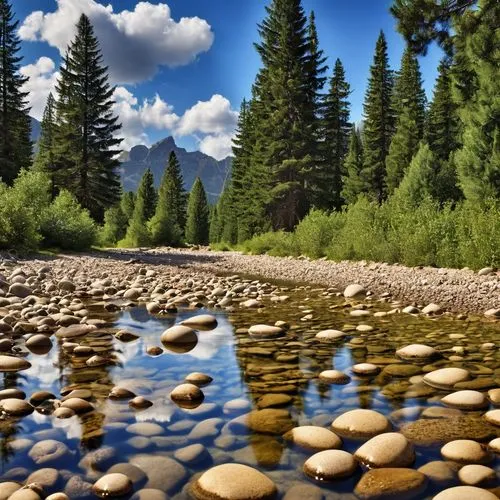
(390, 482)
(78, 405)
(465, 400)
(268, 421)
(390, 449)
(120, 393)
(112, 485)
(20, 290)
(273, 400)
(25, 493)
(132, 293)
(63, 413)
(361, 424)
(440, 412)
(147, 429)
(48, 451)
(74, 331)
(266, 331)
(154, 350)
(39, 344)
(140, 403)
(302, 491)
(465, 493)
(354, 290)
(466, 451)
(494, 396)
(179, 334)
(40, 397)
(334, 377)
(124, 336)
(13, 364)
(198, 378)
(446, 378)
(16, 407)
(46, 477)
(329, 465)
(149, 494)
(365, 369)
(313, 438)
(233, 482)
(493, 417)
(58, 496)
(201, 321)
(235, 406)
(164, 473)
(476, 475)
(330, 335)
(12, 393)
(8, 488)
(189, 393)
(494, 445)
(77, 488)
(191, 454)
(440, 472)
(416, 351)
(432, 309)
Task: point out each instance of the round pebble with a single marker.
(313, 438)
(391, 482)
(361, 424)
(329, 465)
(465, 493)
(476, 475)
(390, 449)
(466, 451)
(365, 369)
(334, 377)
(112, 485)
(266, 331)
(465, 400)
(416, 352)
(330, 335)
(446, 378)
(179, 334)
(493, 417)
(199, 379)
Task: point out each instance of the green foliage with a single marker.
(115, 226)
(197, 224)
(314, 233)
(215, 230)
(15, 124)
(86, 154)
(353, 182)
(127, 203)
(277, 243)
(67, 225)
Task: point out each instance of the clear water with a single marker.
(287, 365)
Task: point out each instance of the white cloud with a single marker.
(134, 43)
(42, 78)
(217, 146)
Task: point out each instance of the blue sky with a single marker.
(182, 67)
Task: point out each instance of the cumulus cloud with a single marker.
(218, 146)
(134, 43)
(42, 78)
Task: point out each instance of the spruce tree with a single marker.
(127, 203)
(215, 230)
(168, 222)
(15, 123)
(378, 121)
(137, 231)
(353, 182)
(44, 159)
(86, 144)
(150, 195)
(336, 132)
(197, 223)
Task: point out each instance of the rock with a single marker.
(466, 451)
(20, 290)
(201, 322)
(302, 491)
(233, 482)
(440, 412)
(149, 494)
(494, 445)
(378, 484)
(485, 271)
(446, 378)
(361, 424)
(47, 478)
(48, 451)
(494, 396)
(416, 352)
(266, 331)
(97, 360)
(429, 432)
(492, 313)
(365, 369)
(439, 472)
(67, 286)
(313, 438)
(13, 364)
(145, 429)
(140, 403)
(63, 413)
(25, 493)
(132, 293)
(273, 400)
(390, 449)
(493, 417)
(164, 473)
(77, 488)
(179, 334)
(411, 310)
(465, 400)
(330, 335)
(329, 465)
(118, 393)
(465, 493)
(187, 394)
(334, 377)
(154, 350)
(199, 379)
(133, 472)
(39, 344)
(432, 309)
(192, 454)
(74, 331)
(8, 488)
(476, 475)
(354, 290)
(15, 407)
(235, 406)
(112, 485)
(267, 421)
(252, 304)
(124, 336)
(78, 405)
(58, 496)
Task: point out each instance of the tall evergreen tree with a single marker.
(379, 121)
(86, 143)
(336, 132)
(215, 229)
(15, 123)
(150, 195)
(197, 223)
(44, 159)
(353, 182)
(127, 203)
(168, 222)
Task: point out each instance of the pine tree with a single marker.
(215, 230)
(15, 123)
(336, 132)
(168, 222)
(44, 159)
(150, 195)
(197, 224)
(137, 232)
(86, 144)
(115, 226)
(127, 203)
(379, 121)
(353, 182)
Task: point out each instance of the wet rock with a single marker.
(15, 407)
(187, 394)
(379, 484)
(477, 475)
(112, 485)
(13, 364)
(145, 429)
(465, 400)
(39, 344)
(416, 352)
(390, 449)
(192, 454)
(132, 293)
(466, 451)
(124, 336)
(365, 369)
(63, 413)
(118, 393)
(149, 494)
(361, 424)
(330, 335)
(134, 473)
(156, 466)
(334, 377)
(201, 322)
(58, 496)
(8, 488)
(140, 403)
(446, 378)
(465, 493)
(440, 412)
(74, 331)
(313, 438)
(154, 350)
(494, 445)
(273, 400)
(77, 488)
(302, 491)
(48, 451)
(26, 493)
(330, 465)
(199, 379)
(236, 406)
(432, 309)
(354, 290)
(179, 334)
(47, 478)
(493, 417)
(267, 421)
(96, 361)
(266, 331)
(233, 482)
(208, 428)
(78, 405)
(494, 396)
(440, 473)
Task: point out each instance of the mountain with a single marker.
(194, 164)
(35, 129)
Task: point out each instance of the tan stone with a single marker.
(329, 465)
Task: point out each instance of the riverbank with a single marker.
(455, 290)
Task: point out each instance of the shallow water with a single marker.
(242, 368)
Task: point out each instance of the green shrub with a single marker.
(114, 228)
(277, 243)
(315, 232)
(67, 225)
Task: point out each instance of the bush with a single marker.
(277, 243)
(67, 225)
(114, 228)
(315, 232)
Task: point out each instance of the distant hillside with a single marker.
(194, 164)
(35, 132)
